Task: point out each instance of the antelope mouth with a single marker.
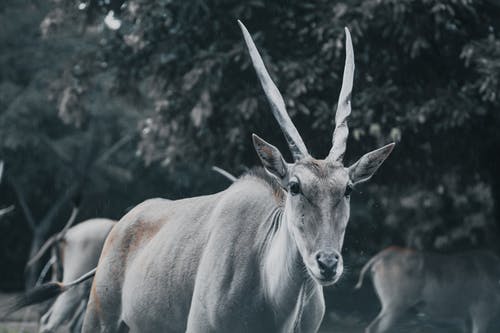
(322, 280)
(328, 281)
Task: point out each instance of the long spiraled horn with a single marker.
(344, 104)
(295, 143)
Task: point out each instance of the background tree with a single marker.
(170, 82)
(427, 76)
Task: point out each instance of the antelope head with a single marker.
(317, 206)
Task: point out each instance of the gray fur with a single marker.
(240, 260)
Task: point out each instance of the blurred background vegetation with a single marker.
(121, 101)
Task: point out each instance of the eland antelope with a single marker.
(80, 249)
(75, 250)
(251, 258)
(464, 286)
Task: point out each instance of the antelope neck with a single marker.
(286, 280)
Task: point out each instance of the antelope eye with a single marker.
(348, 190)
(294, 187)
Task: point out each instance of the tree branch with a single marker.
(69, 223)
(1, 170)
(117, 145)
(22, 201)
(45, 270)
(6, 210)
(47, 245)
(65, 159)
(47, 220)
(224, 173)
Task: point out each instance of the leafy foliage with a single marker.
(427, 77)
(175, 78)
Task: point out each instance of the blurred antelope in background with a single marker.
(253, 257)
(55, 244)
(463, 286)
(74, 251)
(80, 248)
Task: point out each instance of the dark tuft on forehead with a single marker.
(320, 168)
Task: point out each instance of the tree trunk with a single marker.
(31, 274)
(495, 191)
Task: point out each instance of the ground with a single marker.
(348, 311)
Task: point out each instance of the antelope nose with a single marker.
(327, 263)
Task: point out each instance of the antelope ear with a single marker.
(366, 166)
(271, 159)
